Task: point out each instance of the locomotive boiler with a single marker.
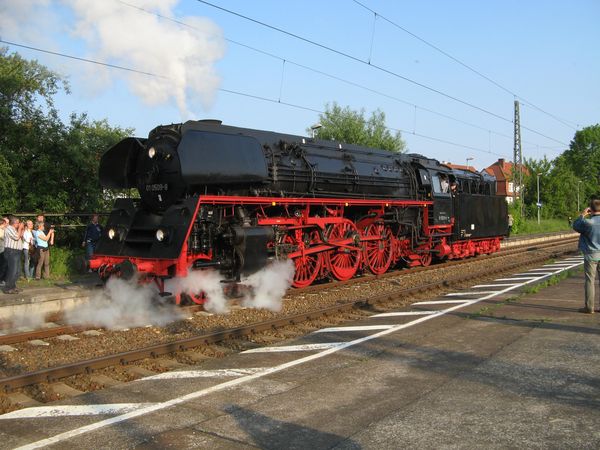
(233, 199)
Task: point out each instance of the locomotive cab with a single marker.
(442, 199)
(435, 180)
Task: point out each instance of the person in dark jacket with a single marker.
(91, 237)
(588, 226)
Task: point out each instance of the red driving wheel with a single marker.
(343, 261)
(378, 253)
(307, 266)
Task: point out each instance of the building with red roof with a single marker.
(503, 171)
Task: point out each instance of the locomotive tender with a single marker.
(232, 199)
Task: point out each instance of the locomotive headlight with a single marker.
(161, 235)
(151, 152)
(112, 233)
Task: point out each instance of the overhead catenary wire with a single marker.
(77, 58)
(286, 60)
(377, 67)
(465, 65)
(238, 93)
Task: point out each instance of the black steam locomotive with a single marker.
(232, 199)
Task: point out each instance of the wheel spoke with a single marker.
(378, 253)
(307, 267)
(342, 262)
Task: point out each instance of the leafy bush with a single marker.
(514, 209)
(65, 263)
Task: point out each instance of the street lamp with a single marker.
(539, 205)
(469, 159)
(578, 183)
(314, 129)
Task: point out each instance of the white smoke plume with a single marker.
(31, 318)
(266, 287)
(120, 33)
(124, 304)
(197, 281)
(127, 304)
(269, 285)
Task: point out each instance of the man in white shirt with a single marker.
(3, 225)
(13, 247)
(27, 245)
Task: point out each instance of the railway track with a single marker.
(453, 263)
(339, 312)
(59, 330)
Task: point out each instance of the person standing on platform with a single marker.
(91, 238)
(41, 241)
(588, 227)
(3, 225)
(13, 247)
(510, 225)
(28, 246)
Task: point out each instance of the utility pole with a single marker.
(517, 158)
(539, 205)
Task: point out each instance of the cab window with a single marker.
(440, 183)
(435, 183)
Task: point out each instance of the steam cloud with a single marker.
(127, 304)
(124, 304)
(269, 285)
(266, 287)
(31, 318)
(115, 32)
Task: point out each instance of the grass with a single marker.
(553, 280)
(65, 266)
(529, 226)
(489, 310)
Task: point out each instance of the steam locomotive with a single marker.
(233, 199)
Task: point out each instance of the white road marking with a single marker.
(357, 328)
(515, 279)
(232, 383)
(219, 373)
(538, 274)
(492, 285)
(558, 266)
(441, 302)
(405, 313)
(460, 294)
(295, 348)
(74, 410)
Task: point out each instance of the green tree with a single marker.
(46, 165)
(349, 126)
(8, 188)
(583, 159)
(29, 124)
(543, 167)
(25, 86)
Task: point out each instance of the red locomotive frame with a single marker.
(320, 245)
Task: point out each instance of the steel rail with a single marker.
(458, 262)
(53, 374)
(15, 338)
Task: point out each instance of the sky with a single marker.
(445, 73)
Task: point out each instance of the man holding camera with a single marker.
(42, 242)
(13, 247)
(588, 226)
